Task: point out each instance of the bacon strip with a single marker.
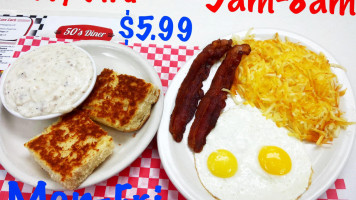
(213, 102)
(190, 91)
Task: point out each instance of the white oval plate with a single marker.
(327, 161)
(128, 146)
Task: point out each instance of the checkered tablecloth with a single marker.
(146, 171)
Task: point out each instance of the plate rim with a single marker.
(164, 134)
(156, 112)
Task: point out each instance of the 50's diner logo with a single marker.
(84, 32)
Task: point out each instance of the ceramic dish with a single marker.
(128, 146)
(327, 162)
(51, 115)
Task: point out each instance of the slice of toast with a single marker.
(70, 149)
(121, 101)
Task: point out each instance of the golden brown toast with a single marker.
(70, 149)
(121, 101)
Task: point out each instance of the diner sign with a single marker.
(126, 29)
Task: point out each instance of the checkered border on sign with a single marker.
(166, 59)
(38, 24)
(29, 42)
(144, 174)
(336, 191)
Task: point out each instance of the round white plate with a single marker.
(128, 146)
(327, 161)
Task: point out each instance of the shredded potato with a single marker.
(293, 86)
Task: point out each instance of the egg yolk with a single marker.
(222, 163)
(274, 160)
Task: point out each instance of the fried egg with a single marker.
(247, 156)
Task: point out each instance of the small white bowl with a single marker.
(52, 115)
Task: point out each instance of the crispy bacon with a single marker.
(213, 102)
(190, 91)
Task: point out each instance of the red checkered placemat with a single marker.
(146, 172)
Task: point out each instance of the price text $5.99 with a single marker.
(166, 27)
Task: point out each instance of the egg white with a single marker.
(243, 131)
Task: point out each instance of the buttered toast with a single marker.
(121, 101)
(70, 149)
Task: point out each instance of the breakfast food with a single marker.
(48, 80)
(121, 101)
(293, 86)
(213, 102)
(249, 157)
(70, 149)
(190, 91)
